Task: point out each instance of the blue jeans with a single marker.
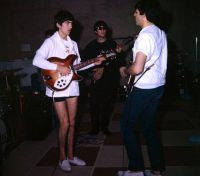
(141, 106)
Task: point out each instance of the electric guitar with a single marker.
(57, 82)
(129, 85)
(129, 80)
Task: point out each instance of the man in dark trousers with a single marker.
(149, 68)
(104, 79)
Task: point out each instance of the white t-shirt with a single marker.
(152, 42)
(55, 46)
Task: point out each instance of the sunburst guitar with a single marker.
(57, 82)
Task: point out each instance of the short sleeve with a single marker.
(144, 44)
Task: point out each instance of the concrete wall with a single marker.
(22, 23)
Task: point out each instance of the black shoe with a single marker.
(107, 132)
(93, 132)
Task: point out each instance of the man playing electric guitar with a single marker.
(65, 101)
(104, 78)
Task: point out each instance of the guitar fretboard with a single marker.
(84, 64)
(90, 61)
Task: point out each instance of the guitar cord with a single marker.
(54, 113)
(53, 96)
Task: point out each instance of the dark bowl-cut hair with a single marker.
(62, 16)
(151, 8)
(100, 23)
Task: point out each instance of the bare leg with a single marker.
(63, 117)
(72, 109)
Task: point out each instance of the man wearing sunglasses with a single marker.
(104, 79)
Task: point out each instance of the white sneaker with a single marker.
(76, 161)
(65, 166)
(129, 173)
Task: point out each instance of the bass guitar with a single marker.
(57, 82)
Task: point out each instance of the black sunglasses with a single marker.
(101, 28)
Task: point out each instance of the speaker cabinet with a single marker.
(38, 116)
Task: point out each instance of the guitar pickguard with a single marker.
(63, 81)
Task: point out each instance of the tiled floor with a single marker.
(178, 121)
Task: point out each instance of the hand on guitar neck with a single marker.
(119, 48)
(99, 59)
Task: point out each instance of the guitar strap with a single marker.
(147, 69)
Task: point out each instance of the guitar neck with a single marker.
(91, 61)
(84, 64)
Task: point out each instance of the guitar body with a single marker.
(54, 80)
(129, 85)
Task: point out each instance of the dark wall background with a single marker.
(23, 23)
